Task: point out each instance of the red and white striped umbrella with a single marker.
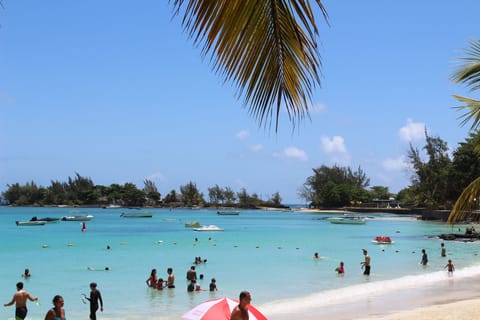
(219, 309)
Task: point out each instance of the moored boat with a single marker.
(46, 219)
(208, 228)
(228, 213)
(30, 223)
(87, 217)
(136, 215)
(347, 219)
(192, 224)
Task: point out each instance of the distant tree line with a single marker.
(81, 191)
(437, 179)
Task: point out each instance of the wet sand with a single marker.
(451, 299)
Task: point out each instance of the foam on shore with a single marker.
(380, 297)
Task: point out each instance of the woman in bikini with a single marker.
(57, 312)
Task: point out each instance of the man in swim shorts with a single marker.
(366, 263)
(20, 300)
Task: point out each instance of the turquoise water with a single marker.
(268, 253)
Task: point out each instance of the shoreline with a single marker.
(452, 298)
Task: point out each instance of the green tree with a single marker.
(335, 187)
(171, 197)
(215, 194)
(380, 193)
(229, 196)
(190, 194)
(431, 177)
(268, 49)
(151, 192)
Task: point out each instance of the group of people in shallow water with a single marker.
(366, 263)
(159, 283)
(57, 312)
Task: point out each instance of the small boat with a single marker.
(136, 215)
(228, 213)
(112, 206)
(347, 219)
(208, 228)
(30, 223)
(87, 217)
(46, 219)
(383, 240)
(192, 224)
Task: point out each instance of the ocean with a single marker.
(268, 253)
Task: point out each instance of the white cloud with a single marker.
(157, 176)
(256, 147)
(398, 164)
(294, 154)
(335, 149)
(242, 134)
(412, 131)
(318, 107)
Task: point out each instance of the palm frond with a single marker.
(267, 48)
(472, 111)
(469, 72)
(466, 204)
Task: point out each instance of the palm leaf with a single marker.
(466, 203)
(472, 108)
(267, 48)
(469, 72)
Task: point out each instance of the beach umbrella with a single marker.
(219, 309)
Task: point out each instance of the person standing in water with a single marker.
(424, 260)
(20, 300)
(366, 263)
(95, 297)
(57, 312)
(443, 250)
(240, 312)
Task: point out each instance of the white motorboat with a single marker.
(87, 217)
(208, 228)
(348, 219)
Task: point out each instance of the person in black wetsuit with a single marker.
(95, 297)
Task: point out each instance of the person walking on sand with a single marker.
(443, 252)
(450, 267)
(240, 312)
(20, 300)
(95, 297)
(57, 312)
(366, 264)
(424, 260)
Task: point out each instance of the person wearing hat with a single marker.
(366, 263)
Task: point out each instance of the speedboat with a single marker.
(208, 228)
(228, 213)
(30, 223)
(347, 219)
(136, 215)
(87, 217)
(383, 240)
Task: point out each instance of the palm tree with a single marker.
(267, 48)
(469, 74)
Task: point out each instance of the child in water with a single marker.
(340, 269)
(450, 267)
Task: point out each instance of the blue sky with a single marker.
(115, 91)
